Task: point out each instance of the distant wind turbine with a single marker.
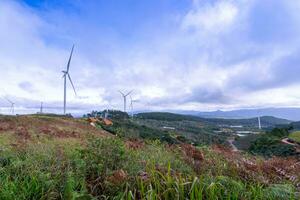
(258, 120)
(41, 109)
(67, 74)
(259, 123)
(125, 98)
(131, 105)
(12, 108)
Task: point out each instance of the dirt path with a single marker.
(286, 141)
(232, 145)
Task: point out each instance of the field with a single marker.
(295, 136)
(52, 157)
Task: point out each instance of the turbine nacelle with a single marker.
(125, 98)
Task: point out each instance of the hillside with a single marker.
(266, 121)
(296, 125)
(285, 113)
(295, 136)
(32, 128)
(55, 157)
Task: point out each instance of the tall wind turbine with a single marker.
(65, 76)
(12, 108)
(125, 98)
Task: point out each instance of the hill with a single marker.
(296, 125)
(266, 121)
(19, 130)
(292, 114)
(57, 157)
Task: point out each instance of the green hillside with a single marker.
(267, 121)
(295, 136)
(296, 125)
(55, 157)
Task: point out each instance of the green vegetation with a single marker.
(51, 157)
(267, 121)
(296, 125)
(128, 129)
(106, 168)
(295, 136)
(270, 144)
(244, 143)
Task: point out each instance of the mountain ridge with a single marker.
(289, 113)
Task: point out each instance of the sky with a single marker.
(174, 54)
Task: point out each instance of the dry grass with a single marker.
(250, 168)
(18, 130)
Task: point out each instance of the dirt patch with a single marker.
(118, 177)
(22, 132)
(5, 126)
(26, 126)
(134, 144)
(193, 156)
(59, 133)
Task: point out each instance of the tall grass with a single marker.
(105, 169)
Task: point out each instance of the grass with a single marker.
(295, 136)
(94, 167)
(106, 168)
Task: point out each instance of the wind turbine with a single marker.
(259, 123)
(67, 74)
(131, 105)
(125, 98)
(12, 108)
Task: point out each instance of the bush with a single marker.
(270, 144)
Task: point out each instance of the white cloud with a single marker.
(207, 62)
(211, 18)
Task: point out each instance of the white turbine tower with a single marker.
(131, 105)
(65, 76)
(12, 108)
(259, 123)
(125, 98)
(258, 119)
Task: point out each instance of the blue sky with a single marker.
(174, 54)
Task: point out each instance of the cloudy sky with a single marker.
(175, 54)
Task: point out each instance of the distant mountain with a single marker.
(266, 121)
(292, 114)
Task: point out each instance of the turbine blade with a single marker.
(70, 58)
(8, 100)
(122, 93)
(72, 84)
(129, 93)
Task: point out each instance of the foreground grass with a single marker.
(109, 168)
(295, 136)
